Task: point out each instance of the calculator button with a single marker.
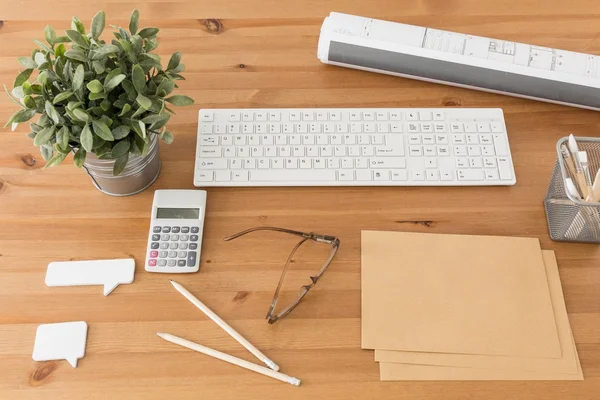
(181, 263)
(156, 229)
(172, 254)
(153, 254)
(185, 229)
(191, 259)
(194, 238)
(162, 263)
(166, 229)
(164, 237)
(173, 246)
(154, 246)
(175, 229)
(152, 263)
(193, 246)
(155, 237)
(175, 237)
(164, 246)
(182, 254)
(163, 254)
(172, 263)
(183, 246)
(185, 237)
(195, 229)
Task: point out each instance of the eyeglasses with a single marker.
(330, 240)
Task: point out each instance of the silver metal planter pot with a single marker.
(139, 173)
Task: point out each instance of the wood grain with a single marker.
(262, 54)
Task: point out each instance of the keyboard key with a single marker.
(154, 245)
(162, 263)
(193, 246)
(206, 116)
(500, 145)
(295, 116)
(175, 229)
(164, 246)
(355, 115)
(418, 175)
(428, 138)
(474, 150)
(460, 151)
(472, 139)
(247, 116)
(431, 163)
(470, 174)
(396, 127)
(425, 115)
(204, 176)
(367, 151)
(414, 139)
(489, 162)
(172, 263)
(446, 175)
(185, 237)
(234, 116)
(432, 175)
(335, 115)
(260, 116)
(415, 151)
(298, 175)
(274, 116)
(483, 127)
(396, 116)
(194, 238)
(185, 229)
(491, 175)
(277, 163)
(487, 150)
(443, 151)
(172, 254)
(361, 163)
(470, 127)
(497, 127)
(347, 163)
(233, 128)
(412, 128)
(155, 236)
(399, 175)
(475, 162)
(383, 127)
(383, 175)
(345, 175)
(458, 139)
(240, 176)
(153, 254)
(363, 175)
(438, 116)
(163, 254)
(456, 127)
(382, 116)
(319, 163)
(504, 168)
(462, 162)
(387, 162)
(166, 229)
(222, 176)
(412, 116)
(429, 151)
(209, 141)
(441, 139)
(181, 263)
(439, 127)
(220, 129)
(368, 116)
(211, 152)
(321, 115)
(156, 229)
(173, 246)
(183, 246)
(385, 151)
(152, 263)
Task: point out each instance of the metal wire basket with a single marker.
(571, 219)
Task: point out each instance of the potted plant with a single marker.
(107, 103)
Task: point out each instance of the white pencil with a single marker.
(210, 314)
(229, 358)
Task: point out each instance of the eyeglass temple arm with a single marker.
(319, 238)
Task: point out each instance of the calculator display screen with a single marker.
(178, 213)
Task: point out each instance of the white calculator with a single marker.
(175, 237)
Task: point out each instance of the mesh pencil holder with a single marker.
(571, 219)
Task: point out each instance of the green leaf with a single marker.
(106, 105)
(120, 164)
(125, 110)
(98, 66)
(114, 82)
(20, 116)
(43, 46)
(77, 25)
(44, 136)
(143, 129)
(143, 101)
(50, 35)
(95, 86)
(78, 77)
(108, 49)
(106, 120)
(60, 50)
(98, 24)
(74, 104)
(128, 49)
(102, 130)
(139, 79)
(47, 152)
(179, 100)
(177, 77)
(150, 44)
(52, 113)
(148, 32)
(62, 97)
(129, 89)
(174, 61)
(29, 102)
(76, 54)
(79, 157)
(81, 115)
(120, 148)
(139, 111)
(62, 137)
(22, 77)
(157, 121)
(179, 68)
(27, 62)
(96, 96)
(78, 38)
(56, 159)
(62, 39)
(36, 89)
(165, 87)
(86, 138)
(136, 42)
(120, 132)
(167, 137)
(133, 22)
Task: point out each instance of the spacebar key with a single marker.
(292, 175)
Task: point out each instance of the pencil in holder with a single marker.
(571, 219)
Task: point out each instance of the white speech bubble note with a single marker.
(110, 273)
(62, 341)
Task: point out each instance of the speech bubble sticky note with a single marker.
(62, 341)
(110, 273)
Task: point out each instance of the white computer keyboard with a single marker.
(353, 147)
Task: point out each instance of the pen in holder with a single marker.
(571, 218)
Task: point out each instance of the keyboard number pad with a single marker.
(174, 246)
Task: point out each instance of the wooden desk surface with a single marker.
(262, 54)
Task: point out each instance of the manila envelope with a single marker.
(568, 364)
(456, 294)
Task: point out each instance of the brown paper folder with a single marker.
(456, 294)
(568, 364)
